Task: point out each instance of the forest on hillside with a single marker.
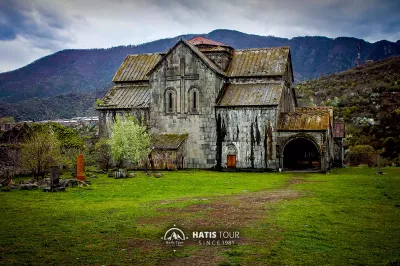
(367, 99)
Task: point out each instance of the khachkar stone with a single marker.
(80, 168)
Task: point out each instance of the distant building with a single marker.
(210, 106)
(73, 122)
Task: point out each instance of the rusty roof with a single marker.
(339, 130)
(167, 141)
(259, 62)
(126, 97)
(305, 119)
(251, 94)
(198, 40)
(135, 67)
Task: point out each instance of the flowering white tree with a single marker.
(129, 141)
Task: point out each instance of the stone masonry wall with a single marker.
(182, 72)
(246, 132)
(107, 118)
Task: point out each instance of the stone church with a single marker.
(208, 105)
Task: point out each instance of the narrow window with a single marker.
(170, 101)
(194, 100)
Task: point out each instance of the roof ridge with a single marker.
(144, 54)
(263, 48)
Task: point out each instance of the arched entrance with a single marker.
(301, 154)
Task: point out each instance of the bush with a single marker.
(361, 154)
(102, 153)
(396, 161)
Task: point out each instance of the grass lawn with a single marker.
(348, 217)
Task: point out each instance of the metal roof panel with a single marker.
(311, 119)
(251, 94)
(126, 97)
(259, 62)
(135, 67)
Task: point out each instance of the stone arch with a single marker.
(231, 149)
(194, 100)
(300, 152)
(170, 100)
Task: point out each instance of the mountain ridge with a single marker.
(84, 71)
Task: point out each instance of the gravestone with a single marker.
(80, 168)
(54, 176)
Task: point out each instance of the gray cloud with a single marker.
(35, 21)
(51, 25)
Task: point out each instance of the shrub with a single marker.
(361, 154)
(102, 151)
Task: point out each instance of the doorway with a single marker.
(231, 161)
(301, 154)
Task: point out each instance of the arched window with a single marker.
(170, 101)
(194, 101)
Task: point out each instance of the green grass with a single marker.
(348, 217)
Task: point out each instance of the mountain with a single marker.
(366, 98)
(81, 72)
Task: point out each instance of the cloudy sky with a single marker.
(30, 29)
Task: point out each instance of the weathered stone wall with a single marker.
(338, 152)
(183, 71)
(107, 118)
(246, 133)
(287, 103)
(221, 59)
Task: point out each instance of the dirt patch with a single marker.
(222, 212)
(205, 256)
(226, 213)
(296, 181)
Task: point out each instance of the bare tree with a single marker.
(40, 151)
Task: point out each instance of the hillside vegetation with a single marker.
(80, 72)
(367, 98)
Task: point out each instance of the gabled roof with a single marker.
(197, 52)
(126, 97)
(306, 119)
(198, 40)
(259, 62)
(135, 67)
(167, 141)
(245, 63)
(251, 94)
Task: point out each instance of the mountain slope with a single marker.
(367, 98)
(84, 71)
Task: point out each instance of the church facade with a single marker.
(208, 105)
